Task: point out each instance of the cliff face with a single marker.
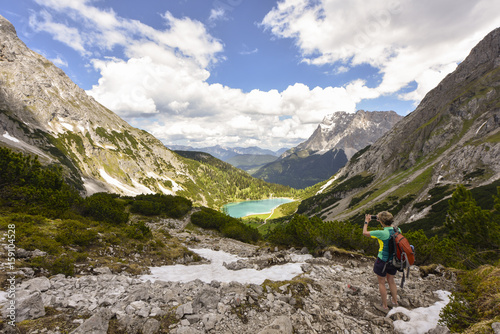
(458, 119)
(43, 112)
(451, 138)
(350, 132)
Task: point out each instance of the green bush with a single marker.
(63, 264)
(229, 227)
(313, 233)
(31, 233)
(240, 231)
(474, 301)
(73, 232)
(159, 204)
(27, 186)
(106, 208)
(138, 231)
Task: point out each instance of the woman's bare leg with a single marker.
(393, 288)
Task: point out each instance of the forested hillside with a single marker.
(50, 216)
(226, 183)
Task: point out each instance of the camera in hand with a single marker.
(374, 217)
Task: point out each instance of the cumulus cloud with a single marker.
(161, 82)
(61, 32)
(407, 40)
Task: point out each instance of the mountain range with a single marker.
(451, 138)
(336, 139)
(248, 159)
(226, 153)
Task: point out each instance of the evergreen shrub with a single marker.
(159, 204)
(73, 232)
(106, 208)
(229, 227)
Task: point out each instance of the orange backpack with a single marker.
(403, 254)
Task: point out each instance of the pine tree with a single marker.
(470, 224)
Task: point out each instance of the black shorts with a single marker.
(378, 268)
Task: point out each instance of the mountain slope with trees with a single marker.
(452, 137)
(42, 112)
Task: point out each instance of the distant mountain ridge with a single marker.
(337, 138)
(224, 153)
(251, 162)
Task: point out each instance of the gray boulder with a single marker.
(41, 284)
(439, 330)
(96, 324)
(496, 327)
(29, 305)
(151, 326)
(281, 325)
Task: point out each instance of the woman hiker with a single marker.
(383, 268)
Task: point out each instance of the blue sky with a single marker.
(251, 73)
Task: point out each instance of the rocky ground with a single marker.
(336, 293)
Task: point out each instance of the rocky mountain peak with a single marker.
(45, 113)
(7, 28)
(349, 131)
(464, 96)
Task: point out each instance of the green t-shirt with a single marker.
(383, 240)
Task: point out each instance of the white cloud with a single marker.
(406, 40)
(62, 33)
(217, 14)
(162, 83)
(60, 62)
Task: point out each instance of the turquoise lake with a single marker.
(246, 208)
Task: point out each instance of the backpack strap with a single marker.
(404, 259)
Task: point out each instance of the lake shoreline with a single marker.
(261, 208)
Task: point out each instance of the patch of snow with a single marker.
(326, 185)
(55, 127)
(125, 188)
(477, 131)
(422, 319)
(110, 147)
(155, 176)
(165, 190)
(67, 126)
(91, 187)
(142, 188)
(216, 270)
(9, 137)
(175, 186)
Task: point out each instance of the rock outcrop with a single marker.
(349, 132)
